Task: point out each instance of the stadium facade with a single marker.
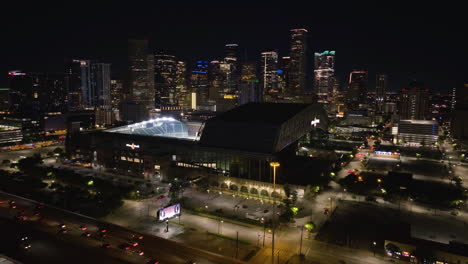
(239, 143)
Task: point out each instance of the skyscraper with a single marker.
(182, 92)
(72, 81)
(297, 63)
(140, 87)
(381, 88)
(357, 89)
(249, 88)
(116, 93)
(231, 67)
(269, 72)
(199, 82)
(95, 87)
(459, 126)
(324, 76)
(165, 73)
(414, 102)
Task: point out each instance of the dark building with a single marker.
(140, 87)
(165, 74)
(239, 143)
(33, 94)
(357, 89)
(73, 84)
(459, 115)
(116, 91)
(381, 88)
(182, 91)
(297, 63)
(414, 102)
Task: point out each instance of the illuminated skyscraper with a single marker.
(165, 74)
(199, 82)
(140, 88)
(357, 89)
(324, 76)
(381, 88)
(231, 67)
(95, 84)
(297, 64)
(250, 90)
(414, 102)
(116, 93)
(182, 92)
(269, 72)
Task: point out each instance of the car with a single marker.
(62, 226)
(139, 252)
(135, 236)
(40, 206)
(36, 213)
(102, 230)
(62, 231)
(21, 217)
(86, 234)
(12, 204)
(134, 243)
(191, 262)
(84, 228)
(125, 246)
(27, 246)
(106, 245)
(153, 261)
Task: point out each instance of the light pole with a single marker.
(300, 245)
(220, 226)
(374, 244)
(274, 165)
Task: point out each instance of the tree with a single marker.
(58, 150)
(6, 161)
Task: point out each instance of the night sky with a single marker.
(427, 43)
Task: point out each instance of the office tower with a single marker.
(33, 94)
(297, 64)
(182, 92)
(116, 93)
(199, 82)
(381, 88)
(269, 72)
(140, 87)
(357, 89)
(217, 81)
(414, 102)
(324, 73)
(459, 126)
(453, 99)
(4, 99)
(229, 68)
(165, 73)
(72, 82)
(96, 82)
(250, 89)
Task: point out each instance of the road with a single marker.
(45, 239)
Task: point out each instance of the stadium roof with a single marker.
(262, 127)
(160, 127)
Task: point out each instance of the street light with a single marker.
(273, 164)
(374, 244)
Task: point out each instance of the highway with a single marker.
(48, 246)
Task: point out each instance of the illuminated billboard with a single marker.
(169, 212)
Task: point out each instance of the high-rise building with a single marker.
(140, 87)
(324, 73)
(33, 94)
(459, 126)
(357, 89)
(182, 92)
(229, 68)
(116, 93)
(199, 82)
(298, 63)
(165, 74)
(249, 86)
(72, 82)
(381, 88)
(96, 84)
(269, 72)
(414, 102)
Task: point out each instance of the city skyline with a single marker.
(404, 44)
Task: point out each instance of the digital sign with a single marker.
(132, 146)
(169, 212)
(315, 122)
